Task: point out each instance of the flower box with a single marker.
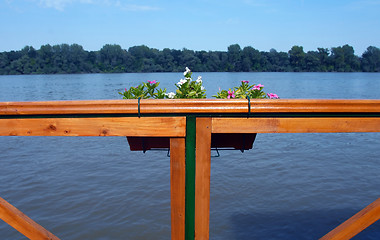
(188, 88)
(238, 141)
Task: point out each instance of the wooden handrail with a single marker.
(163, 106)
(356, 223)
(23, 223)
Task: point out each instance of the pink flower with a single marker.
(272, 95)
(126, 90)
(257, 87)
(152, 82)
(245, 81)
(231, 94)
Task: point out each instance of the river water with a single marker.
(290, 186)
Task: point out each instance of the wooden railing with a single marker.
(189, 124)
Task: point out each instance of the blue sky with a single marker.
(196, 25)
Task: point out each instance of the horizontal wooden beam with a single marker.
(294, 125)
(178, 106)
(118, 126)
(23, 223)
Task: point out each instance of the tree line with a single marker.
(111, 58)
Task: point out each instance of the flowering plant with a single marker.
(245, 90)
(186, 88)
(144, 90)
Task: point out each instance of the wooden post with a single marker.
(202, 178)
(177, 187)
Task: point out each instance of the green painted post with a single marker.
(190, 178)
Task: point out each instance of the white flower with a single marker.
(187, 70)
(202, 88)
(199, 79)
(170, 95)
(182, 81)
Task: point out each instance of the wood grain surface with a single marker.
(158, 106)
(294, 125)
(117, 126)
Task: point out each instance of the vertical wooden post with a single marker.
(202, 178)
(177, 187)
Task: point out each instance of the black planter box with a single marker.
(238, 141)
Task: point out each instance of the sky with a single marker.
(210, 25)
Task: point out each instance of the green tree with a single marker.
(166, 60)
(112, 58)
(312, 63)
(189, 59)
(344, 59)
(324, 60)
(45, 59)
(352, 61)
(139, 54)
(250, 59)
(4, 63)
(234, 54)
(277, 61)
(73, 58)
(297, 58)
(371, 60)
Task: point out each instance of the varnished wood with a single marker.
(116, 126)
(294, 125)
(356, 223)
(159, 106)
(177, 188)
(175, 127)
(202, 178)
(23, 223)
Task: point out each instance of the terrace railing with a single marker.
(189, 125)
